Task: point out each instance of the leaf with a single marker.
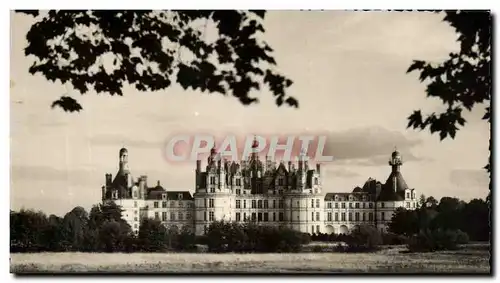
(68, 104)
(416, 65)
(152, 53)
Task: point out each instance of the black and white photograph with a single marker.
(250, 142)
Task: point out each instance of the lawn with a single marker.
(472, 259)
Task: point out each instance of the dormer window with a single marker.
(238, 182)
(114, 195)
(180, 196)
(164, 196)
(280, 182)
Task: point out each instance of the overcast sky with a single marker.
(349, 73)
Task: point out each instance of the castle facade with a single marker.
(263, 191)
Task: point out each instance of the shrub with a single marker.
(437, 240)
(462, 237)
(394, 239)
(366, 238)
(249, 237)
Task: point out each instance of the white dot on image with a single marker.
(196, 114)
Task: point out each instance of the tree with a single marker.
(151, 50)
(431, 202)
(152, 235)
(74, 227)
(463, 81)
(421, 200)
(404, 222)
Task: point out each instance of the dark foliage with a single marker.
(463, 81)
(437, 240)
(209, 51)
(365, 238)
(249, 237)
(450, 214)
(101, 230)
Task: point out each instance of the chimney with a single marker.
(289, 165)
(158, 183)
(108, 179)
(318, 168)
(198, 165)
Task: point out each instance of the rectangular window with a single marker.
(164, 204)
(156, 204)
(364, 204)
(356, 216)
(266, 217)
(356, 205)
(259, 217)
(181, 216)
(336, 205)
(238, 191)
(317, 203)
(312, 215)
(312, 203)
(238, 217)
(350, 216)
(336, 216)
(238, 203)
(157, 216)
(244, 216)
(135, 204)
(205, 202)
(407, 195)
(205, 216)
(211, 203)
(317, 229)
(212, 180)
(244, 204)
(317, 216)
(342, 216)
(135, 219)
(382, 204)
(259, 203)
(407, 205)
(274, 216)
(254, 203)
(343, 205)
(280, 182)
(238, 182)
(164, 216)
(364, 216)
(281, 216)
(266, 203)
(329, 216)
(350, 205)
(254, 216)
(211, 216)
(212, 190)
(312, 229)
(172, 216)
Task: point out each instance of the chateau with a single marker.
(262, 191)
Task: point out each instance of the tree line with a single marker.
(433, 226)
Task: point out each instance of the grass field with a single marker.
(468, 260)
